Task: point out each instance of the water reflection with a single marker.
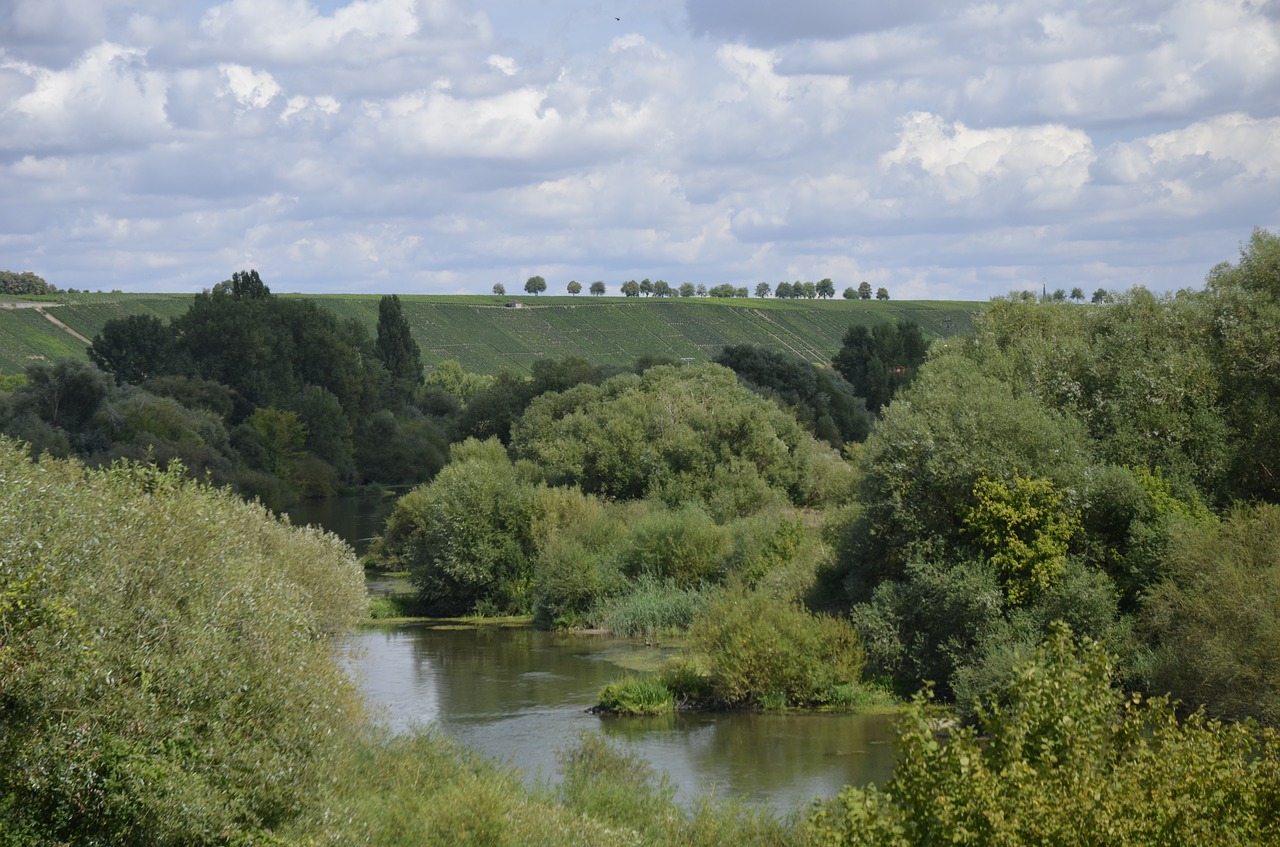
(354, 519)
(519, 695)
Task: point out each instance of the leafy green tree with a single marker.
(282, 434)
(450, 376)
(1246, 314)
(1024, 527)
(535, 285)
(882, 294)
(574, 287)
(1077, 295)
(687, 289)
(466, 536)
(826, 289)
(701, 290)
(1100, 296)
(395, 346)
(824, 402)
(26, 282)
(762, 289)
(65, 394)
(631, 288)
(783, 290)
(864, 290)
(646, 287)
(664, 434)
(1215, 620)
(878, 362)
(849, 294)
(499, 289)
(809, 290)
(244, 285)
(662, 288)
(133, 348)
(597, 288)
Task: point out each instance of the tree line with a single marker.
(823, 289)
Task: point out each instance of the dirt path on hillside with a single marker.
(40, 307)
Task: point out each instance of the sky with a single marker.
(940, 149)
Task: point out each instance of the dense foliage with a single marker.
(277, 397)
(1060, 759)
(818, 397)
(166, 671)
(26, 282)
(1059, 465)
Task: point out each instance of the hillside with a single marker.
(485, 334)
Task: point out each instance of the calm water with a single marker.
(353, 519)
(519, 696)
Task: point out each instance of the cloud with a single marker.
(108, 97)
(1041, 166)
(769, 23)
(427, 145)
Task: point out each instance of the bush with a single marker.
(1058, 761)
(760, 650)
(166, 675)
(465, 536)
(682, 546)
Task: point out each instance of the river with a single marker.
(519, 695)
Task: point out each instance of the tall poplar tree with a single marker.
(395, 346)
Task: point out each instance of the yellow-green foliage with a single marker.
(166, 670)
(1061, 760)
(1024, 528)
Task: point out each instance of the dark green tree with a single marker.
(864, 290)
(133, 348)
(882, 293)
(826, 289)
(574, 287)
(396, 348)
(631, 288)
(597, 288)
(878, 362)
(535, 285)
(762, 289)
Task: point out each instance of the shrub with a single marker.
(682, 546)
(174, 682)
(466, 535)
(757, 648)
(1058, 761)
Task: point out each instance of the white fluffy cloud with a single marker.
(941, 150)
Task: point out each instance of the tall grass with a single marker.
(653, 607)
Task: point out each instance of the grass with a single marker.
(485, 336)
(637, 695)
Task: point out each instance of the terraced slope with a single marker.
(487, 334)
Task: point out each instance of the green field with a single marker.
(485, 334)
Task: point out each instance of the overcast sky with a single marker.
(939, 149)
